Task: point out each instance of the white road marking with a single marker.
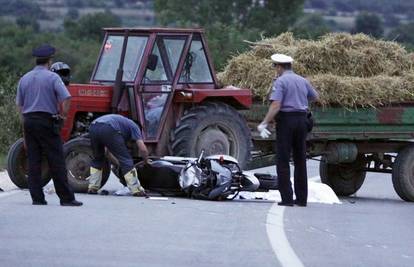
(277, 237)
(10, 193)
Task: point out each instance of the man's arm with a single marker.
(64, 108)
(63, 96)
(312, 93)
(271, 113)
(20, 110)
(143, 151)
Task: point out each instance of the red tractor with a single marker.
(164, 80)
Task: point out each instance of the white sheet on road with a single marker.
(5, 182)
(317, 193)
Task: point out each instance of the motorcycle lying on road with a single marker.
(215, 177)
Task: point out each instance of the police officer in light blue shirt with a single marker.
(290, 98)
(42, 98)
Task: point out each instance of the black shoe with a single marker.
(35, 202)
(73, 203)
(288, 204)
(300, 204)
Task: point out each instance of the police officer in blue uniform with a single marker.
(290, 95)
(43, 101)
(113, 131)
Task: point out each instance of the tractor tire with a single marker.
(78, 157)
(17, 166)
(214, 127)
(344, 178)
(403, 174)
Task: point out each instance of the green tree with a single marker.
(17, 44)
(311, 26)
(90, 26)
(21, 8)
(226, 40)
(369, 23)
(267, 16)
(73, 13)
(27, 21)
(9, 118)
(404, 34)
(228, 23)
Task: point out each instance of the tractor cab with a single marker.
(147, 66)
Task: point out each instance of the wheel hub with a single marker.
(78, 165)
(213, 141)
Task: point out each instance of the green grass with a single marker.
(3, 161)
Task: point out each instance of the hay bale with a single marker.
(347, 70)
(339, 54)
(354, 92)
(248, 71)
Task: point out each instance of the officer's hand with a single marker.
(264, 132)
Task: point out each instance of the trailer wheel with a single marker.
(344, 178)
(215, 127)
(78, 158)
(403, 174)
(17, 166)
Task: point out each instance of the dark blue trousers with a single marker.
(291, 132)
(42, 137)
(103, 135)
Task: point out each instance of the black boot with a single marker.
(73, 203)
(41, 202)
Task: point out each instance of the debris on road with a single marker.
(123, 192)
(158, 198)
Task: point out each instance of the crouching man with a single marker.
(113, 131)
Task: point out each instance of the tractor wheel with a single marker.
(78, 158)
(344, 178)
(403, 174)
(17, 166)
(216, 128)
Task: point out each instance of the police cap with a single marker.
(43, 51)
(281, 59)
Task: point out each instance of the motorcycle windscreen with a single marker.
(190, 176)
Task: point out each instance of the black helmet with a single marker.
(63, 70)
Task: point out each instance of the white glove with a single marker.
(264, 133)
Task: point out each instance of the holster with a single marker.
(57, 123)
(309, 121)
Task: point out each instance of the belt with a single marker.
(38, 114)
(293, 113)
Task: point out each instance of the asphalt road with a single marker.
(373, 228)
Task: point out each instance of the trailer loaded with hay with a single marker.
(364, 121)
